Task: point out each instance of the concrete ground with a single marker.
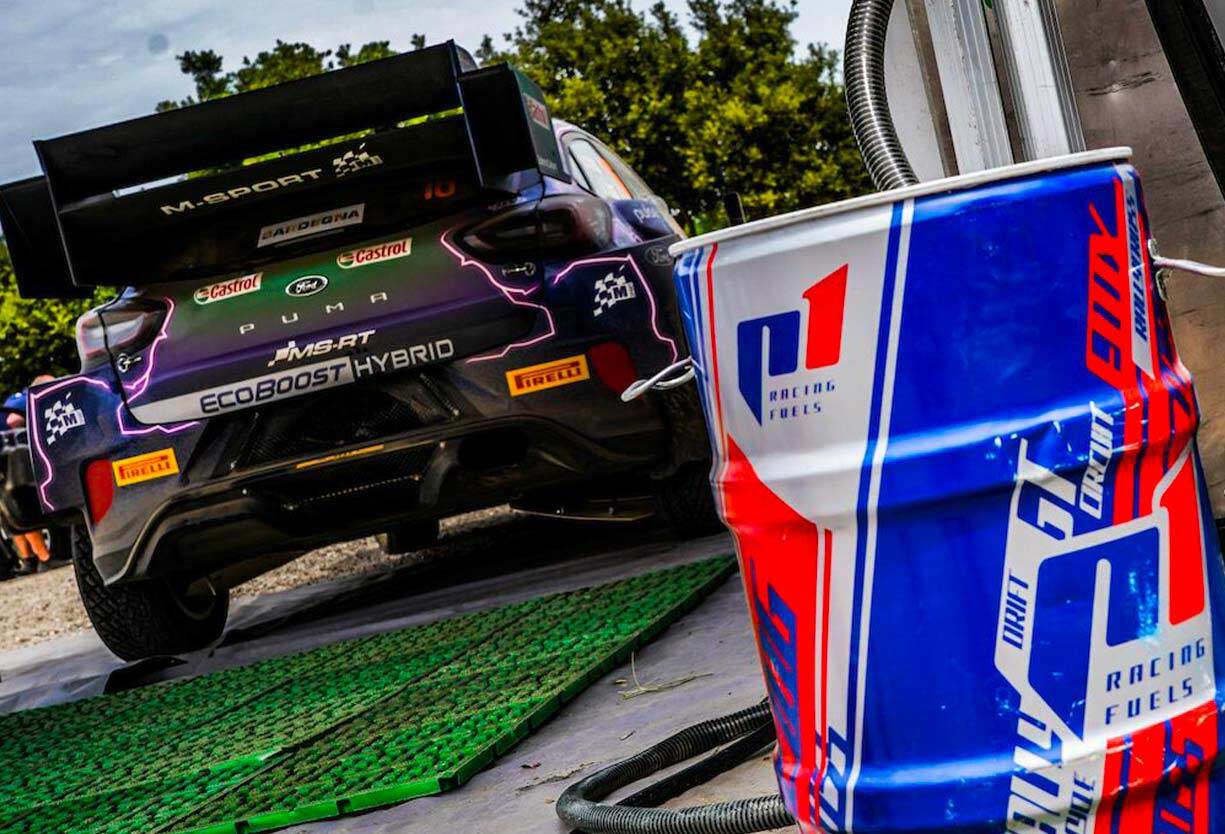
(497, 561)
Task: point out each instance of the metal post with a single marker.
(971, 88)
(929, 70)
(1036, 67)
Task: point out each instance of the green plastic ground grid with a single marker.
(336, 730)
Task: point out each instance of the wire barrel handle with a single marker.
(673, 376)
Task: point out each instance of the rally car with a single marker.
(317, 339)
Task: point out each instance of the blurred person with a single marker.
(17, 402)
(31, 548)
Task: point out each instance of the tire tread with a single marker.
(140, 619)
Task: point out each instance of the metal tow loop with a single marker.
(662, 381)
(1164, 265)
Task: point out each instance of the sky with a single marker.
(69, 65)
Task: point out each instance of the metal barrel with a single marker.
(956, 447)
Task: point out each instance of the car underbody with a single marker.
(283, 492)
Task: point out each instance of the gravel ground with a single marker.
(365, 556)
(39, 607)
(46, 605)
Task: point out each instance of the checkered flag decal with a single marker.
(354, 161)
(610, 290)
(61, 418)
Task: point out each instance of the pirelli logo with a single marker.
(547, 375)
(148, 467)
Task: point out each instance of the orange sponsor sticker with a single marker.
(147, 467)
(547, 375)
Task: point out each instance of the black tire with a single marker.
(688, 504)
(59, 540)
(148, 618)
(409, 537)
(8, 560)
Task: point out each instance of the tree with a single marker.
(36, 337)
(284, 62)
(734, 111)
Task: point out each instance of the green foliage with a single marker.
(284, 62)
(732, 111)
(36, 337)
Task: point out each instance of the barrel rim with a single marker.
(923, 189)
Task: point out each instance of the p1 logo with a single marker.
(1106, 637)
(781, 334)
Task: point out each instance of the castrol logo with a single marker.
(367, 255)
(228, 289)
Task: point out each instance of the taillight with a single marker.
(560, 225)
(613, 365)
(99, 489)
(123, 325)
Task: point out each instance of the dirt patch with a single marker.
(38, 607)
(47, 605)
(365, 556)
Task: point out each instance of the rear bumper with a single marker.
(362, 489)
(206, 496)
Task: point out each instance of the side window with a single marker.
(625, 173)
(634, 184)
(599, 174)
(596, 168)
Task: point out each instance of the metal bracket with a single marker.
(969, 83)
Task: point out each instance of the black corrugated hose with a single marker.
(864, 74)
(746, 733)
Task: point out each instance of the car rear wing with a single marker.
(226, 185)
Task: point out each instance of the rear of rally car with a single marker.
(426, 317)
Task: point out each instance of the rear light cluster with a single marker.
(99, 489)
(562, 225)
(613, 366)
(122, 325)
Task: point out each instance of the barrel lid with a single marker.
(923, 189)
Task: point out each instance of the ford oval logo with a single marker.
(307, 285)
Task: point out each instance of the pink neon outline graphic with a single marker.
(510, 293)
(34, 427)
(137, 387)
(641, 279)
(133, 390)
